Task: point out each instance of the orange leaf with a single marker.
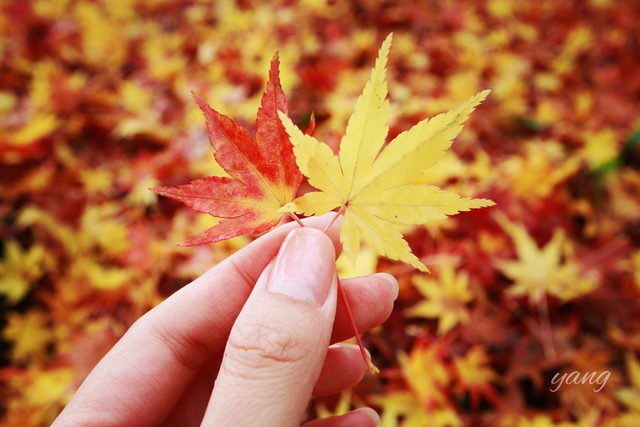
(263, 173)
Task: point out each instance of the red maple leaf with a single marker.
(263, 173)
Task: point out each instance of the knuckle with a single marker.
(186, 349)
(261, 345)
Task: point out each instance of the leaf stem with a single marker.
(340, 212)
(372, 368)
(295, 218)
(546, 330)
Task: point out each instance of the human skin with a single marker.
(246, 344)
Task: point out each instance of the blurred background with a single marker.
(96, 107)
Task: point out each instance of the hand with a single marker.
(259, 325)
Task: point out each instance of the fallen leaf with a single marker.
(539, 272)
(426, 374)
(446, 298)
(630, 396)
(474, 375)
(29, 334)
(402, 409)
(19, 270)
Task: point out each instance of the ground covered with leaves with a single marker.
(531, 313)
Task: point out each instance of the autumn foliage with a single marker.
(96, 108)
(263, 173)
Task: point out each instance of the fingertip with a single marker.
(329, 223)
(361, 417)
(304, 267)
(343, 368)
(373, 416)
(395, 288)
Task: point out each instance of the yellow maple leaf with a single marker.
(446, 298)
(20, 269)
(373, 184)
(342, 407)
(368, 264)
(535, 175)
(475, 375)
(630, 396)
(37, 394)
(401, 409)
(103, 226)
(600, 147)
(29, 334)
(102, 38)
(100, 276)
(541, 271)
(426, 374)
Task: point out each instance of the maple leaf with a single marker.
(29, 334)
(542, 271)
(536, 174)
(41, 391)
(20, 270)
(446, 298)
(263, 173)
(426, 374)
(342, 407)
(475, 376)
(630, 396)
(402, 409)
(373, 185)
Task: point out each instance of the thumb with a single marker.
(279, 341)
